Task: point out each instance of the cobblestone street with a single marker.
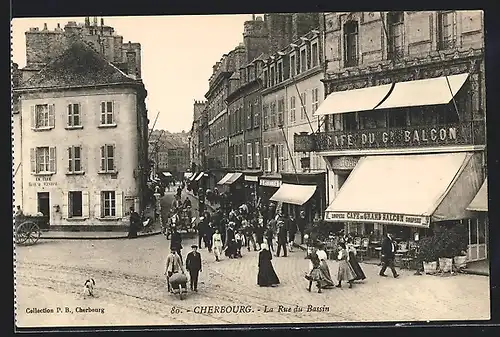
(131, 288)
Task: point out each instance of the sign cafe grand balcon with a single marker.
(466, 133)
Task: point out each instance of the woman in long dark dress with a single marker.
(266, 276)
(353, 262)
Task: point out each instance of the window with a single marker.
(303, 104)
(395, 21)
(273, 76)
(75, 204)
(43, 116)
(273, 114)
(256, 116)
(257, 154)
(314, 55)
(292, 109)
(351, 44)
(249, 155)
(350, 122)
(372, 119)
(74, 159)
(108, 158)
(249, 114)
(281, 108)
(74, 115)
(293, 66)
(266, 79)
(107, 113)
(396, 119)
(108, 202)
(43, 160)
(281, 157)
(303, 60)
(315, 100)
(280, 72)
(447, 30)
(267, 159)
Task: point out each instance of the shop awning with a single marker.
(167, 174)
(225, 178)
(198, 177)
(433, 91)
(409, 190)
(480, 201)
(353, 100)
(234, 178)
(294, 194)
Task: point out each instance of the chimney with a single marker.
(87, 21)
(102, 21)
(131, 64)
(44, 26)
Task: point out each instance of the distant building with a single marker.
(80, 139)
(169, 152)
(195, 157)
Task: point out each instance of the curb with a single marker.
(124, 236)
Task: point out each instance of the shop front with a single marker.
(251, 186)
(232, 185)
(303, 191)
(406, 194)
(268, 185)
(477, 248)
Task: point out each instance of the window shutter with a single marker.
(52, 115)
(116, 111)
(52, 160)
(33, 159)
(85, 204)
(70, 160)
(119, 204)
(103, 158)
(65, 202)
(33, 117)
(102, 116)
(97, 205)
(69, 111)
(115, 158)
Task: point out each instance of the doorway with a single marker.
(44, 204)
(478, 238)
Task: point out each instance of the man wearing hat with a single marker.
(193, 265)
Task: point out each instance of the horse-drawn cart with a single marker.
(28, 229)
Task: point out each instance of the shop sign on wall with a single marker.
(270, 182)
(252, 178)
(344, 163)
(42, 181)
(378, 217)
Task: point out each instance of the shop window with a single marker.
(75, 204)
(349, 121)
(397, 118)
(374, 119)
(351, 44)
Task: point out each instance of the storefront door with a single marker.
(44, 203)
(477, 249)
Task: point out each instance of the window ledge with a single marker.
(45, 128)
(76, 218)
(107, 172)
(79, 173)
(74, 127)
(109, 218)
(42, 174)
(106, 126)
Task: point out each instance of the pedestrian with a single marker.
(266, 276)
(259, 233)
(301, 225)
(135, 221)
(239, 238)
(353, 261)
(193, 265)
(217, 244)
(388, 251)
(345, 272)
(176, 241)
(18, 216)
(269, 234)
(323, 266)
(315, 275)
(230, 241)
(282, 238)
(173, 266)
(292, 230)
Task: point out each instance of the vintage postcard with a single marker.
(247, 169)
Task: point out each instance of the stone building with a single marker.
(194, 136)
(43, 45)
(406, 134)
(81, 140)
(169, 152)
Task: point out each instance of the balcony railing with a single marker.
(466, 133)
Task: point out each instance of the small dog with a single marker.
(88, 288)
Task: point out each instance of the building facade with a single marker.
(81, 141)
(405, 92)
(194, 136)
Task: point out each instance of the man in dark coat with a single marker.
(135, 221)
(388, 251)
(176, 242)
(282, 238)
(301, 225)
(193, 265)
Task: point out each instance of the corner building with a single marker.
(406, 128)
(82, 141)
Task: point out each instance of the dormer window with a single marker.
(273, 76)
(303, 60)
(280, 71)
(314, 55)
(293, 65)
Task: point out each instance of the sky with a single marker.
(178, 53)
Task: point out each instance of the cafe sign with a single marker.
(270, 183)
(42, 181)
(378, 217)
